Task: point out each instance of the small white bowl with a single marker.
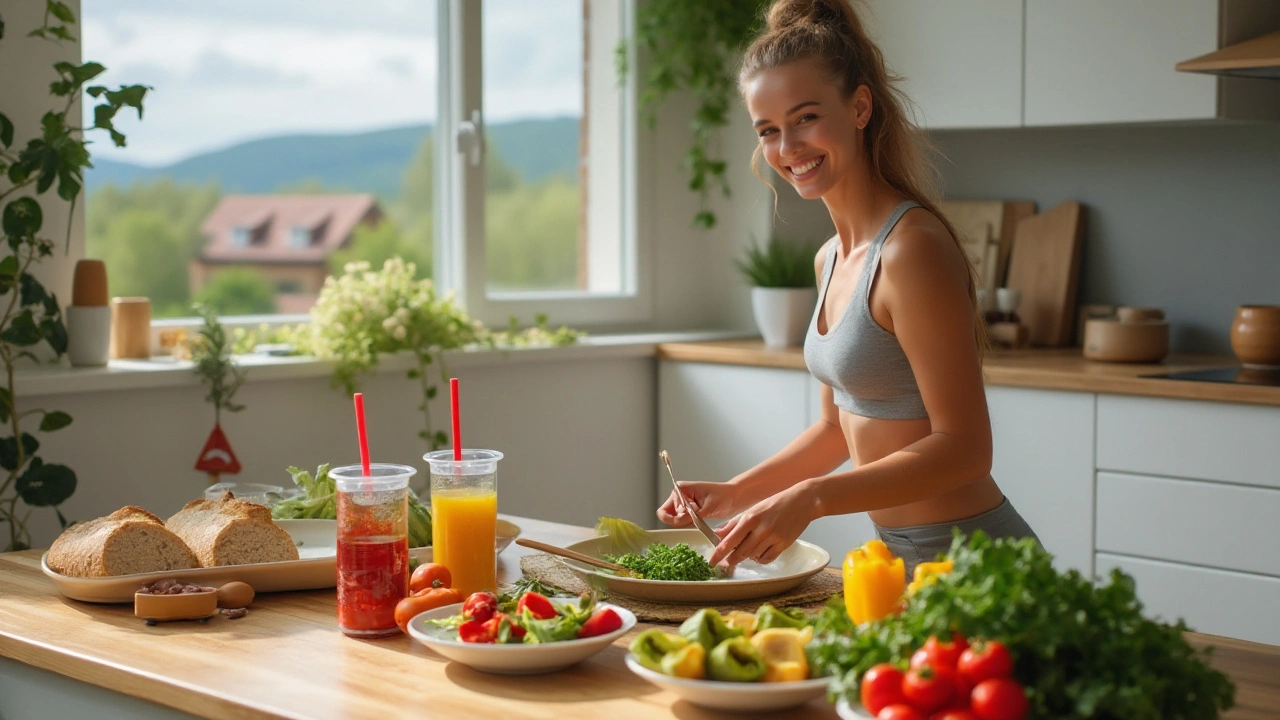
(849, 711)
(512, 659)
(734, 696)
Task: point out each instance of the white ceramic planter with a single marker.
(782, 314)
(88, 335)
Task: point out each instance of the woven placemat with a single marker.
(812, 593)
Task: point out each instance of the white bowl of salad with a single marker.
(539, 635)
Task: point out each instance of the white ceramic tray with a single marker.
(315, 568)
(749, 581)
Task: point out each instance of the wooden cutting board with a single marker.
(986, 230)
(1045, 266)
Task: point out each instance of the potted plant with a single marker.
(54, 159)
(783, 291)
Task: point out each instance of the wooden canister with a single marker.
(131, 328)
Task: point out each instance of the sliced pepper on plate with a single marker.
(768, 616)
(689, 662)
(708, 628)
(652, 645)
(735, 660)
(783, 653)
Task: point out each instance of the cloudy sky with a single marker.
(233, 70)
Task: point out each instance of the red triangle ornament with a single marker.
(217, 457)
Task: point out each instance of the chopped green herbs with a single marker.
(667, 562)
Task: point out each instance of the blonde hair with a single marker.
(830, 33)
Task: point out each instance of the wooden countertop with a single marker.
(1046, 369)
(287, 659)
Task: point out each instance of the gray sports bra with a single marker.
(861, 361)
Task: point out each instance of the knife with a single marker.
(698, 522)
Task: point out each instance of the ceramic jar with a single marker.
(1255, 335)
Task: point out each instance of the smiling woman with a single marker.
(282, 145)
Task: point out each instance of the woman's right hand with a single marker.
(708, 499)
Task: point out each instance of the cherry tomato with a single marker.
(961, 689)
(474, 631)
(999, 699)
(954, 714)
(942, 654)
(985, 660)
(537, 605)
(427, 575)
(408, 607)
(900, 711)
(480, 606)
(929, 688)
(881, 686)
(602, 622)
(503, 630)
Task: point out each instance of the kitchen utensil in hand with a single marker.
(724, 569)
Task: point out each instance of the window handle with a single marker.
(471, 138)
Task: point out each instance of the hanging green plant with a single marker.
(694, 46)
(30, 315)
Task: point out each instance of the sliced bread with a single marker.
(129, 540)
(230, 531)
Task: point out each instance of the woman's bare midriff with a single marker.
(870, 439)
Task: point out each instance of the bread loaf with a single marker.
(129, 540)
(230, 531)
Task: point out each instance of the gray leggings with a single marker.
(924, 543)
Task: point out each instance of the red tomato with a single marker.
(929, 688)
(426, 576)
(999, 699)
(602, 622)
(985, 660)
(480, 606)
(426, 600)
(496, 625)
(900, 711)
(881, 686)
(954, 714)
(537, 605)
(943, 654)
(961, 689)
(474, 631)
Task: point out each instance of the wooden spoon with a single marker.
(575, 555)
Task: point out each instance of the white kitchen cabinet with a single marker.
(719, 420)
(1219, 441)
(837, 534)
(1220, 602)
(1043, 462)
(961, 62)
(1102, 61)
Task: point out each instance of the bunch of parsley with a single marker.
(1082, 650)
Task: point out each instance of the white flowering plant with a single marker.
(364, 313)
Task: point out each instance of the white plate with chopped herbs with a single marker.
(749, 580)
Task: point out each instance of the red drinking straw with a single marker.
(364, 438)
(457, 423)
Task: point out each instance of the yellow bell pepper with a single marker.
(783, 653)
(873, 582)
(689, 662)
(927, 573)
(744, 621)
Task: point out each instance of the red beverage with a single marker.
(373, 575)
(373, 561)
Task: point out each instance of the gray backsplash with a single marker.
(1186, 218)
(1182, 217)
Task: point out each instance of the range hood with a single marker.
(1259, 57)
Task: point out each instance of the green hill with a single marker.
(364, 162)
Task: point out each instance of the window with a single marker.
(300, 238)
(263, 121)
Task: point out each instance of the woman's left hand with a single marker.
(766, 529)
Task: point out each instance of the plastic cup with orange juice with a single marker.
(464, 517)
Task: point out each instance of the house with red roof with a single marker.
(287, 238)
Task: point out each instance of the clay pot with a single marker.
(1255, 335)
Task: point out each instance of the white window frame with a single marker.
(460, 201)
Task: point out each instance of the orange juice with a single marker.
(463, 530)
